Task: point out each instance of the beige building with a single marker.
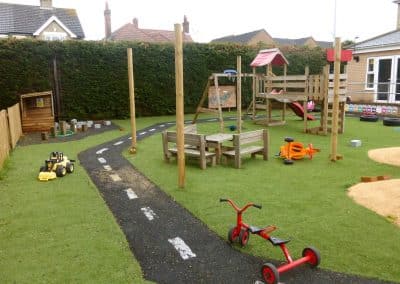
(264, 38)
(43, 22)
(374, 72)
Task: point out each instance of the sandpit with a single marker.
(383, 197)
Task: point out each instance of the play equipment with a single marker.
(299, 110)
(57, 165)
(296, 90)
(374, 178)
(391, 121)
(294, 150)
(369, 116)
(217, 96)
(241, 233)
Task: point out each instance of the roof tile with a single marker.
(27, 19)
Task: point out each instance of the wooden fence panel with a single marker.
(4, 138)
(14, 122)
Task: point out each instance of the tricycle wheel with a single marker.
(288, 162)
(289, 139)
(244, 237)
(61, 171)
(314, 256)
(70, 167)
(270, 273)
(232, 235)
(42, 169)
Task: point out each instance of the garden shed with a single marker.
(37, 111)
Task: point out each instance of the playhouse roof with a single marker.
(269, 56)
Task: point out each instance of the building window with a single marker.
(54, 36)
(370, 73)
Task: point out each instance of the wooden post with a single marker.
(132, 150)
(202, 100)
(284, 91)
(180, 138)
(255, 89)
(56, 91)
(325, 106)
(268, 106)
(239, 93)
(221, 119)
(335, 114)
(305, 114)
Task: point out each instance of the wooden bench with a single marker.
(195, 146)
(247, 138)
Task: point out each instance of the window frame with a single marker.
(371, 72)
(52, 36)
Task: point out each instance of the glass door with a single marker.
(384, 78)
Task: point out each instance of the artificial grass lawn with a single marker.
(307, 201)
(60, 231)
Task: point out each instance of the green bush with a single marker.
(93, 80)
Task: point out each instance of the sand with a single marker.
(383, 196)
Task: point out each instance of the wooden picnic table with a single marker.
(215, 141)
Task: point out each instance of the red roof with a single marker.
(131, 32)
(269, 56)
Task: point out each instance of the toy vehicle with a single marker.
(57, 165)
(270, 272)
(294, 150)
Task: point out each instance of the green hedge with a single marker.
(93, 76)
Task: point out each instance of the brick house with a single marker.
(43, 22)
(132, 32)
(374, 72)
(263, 37)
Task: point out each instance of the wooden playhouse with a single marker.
(37, 111)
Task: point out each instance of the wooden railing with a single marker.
(10, 131)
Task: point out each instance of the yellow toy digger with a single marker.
(57, 165)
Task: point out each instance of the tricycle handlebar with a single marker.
(236, 207)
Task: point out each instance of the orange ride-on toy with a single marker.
(269, 271)
(294, 150)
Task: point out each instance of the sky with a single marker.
(209, 19)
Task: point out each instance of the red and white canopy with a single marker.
(269, 56)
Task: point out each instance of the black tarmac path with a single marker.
(171, 245)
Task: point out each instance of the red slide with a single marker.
(299, 110)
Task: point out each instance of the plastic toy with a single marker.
(270, 272)
(57, 165)
(294, 150)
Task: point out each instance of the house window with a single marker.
(54, 36)
(370, 73)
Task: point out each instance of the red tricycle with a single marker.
(270, 272)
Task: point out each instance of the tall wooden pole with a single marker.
(56, 90)
(221, 119)
(132, 150)
(335, 107)
(325, 91)
(239, 93)
(180, 138)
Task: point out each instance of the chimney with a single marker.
(107, 21)
(185, 24)
(135, 22)
(46, 4)
(398, 14)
